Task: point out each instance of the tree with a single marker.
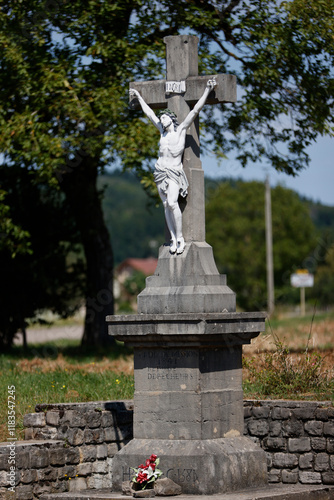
(236, 231)
(65, 68)
(49, 274)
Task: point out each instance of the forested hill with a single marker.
(136, 226)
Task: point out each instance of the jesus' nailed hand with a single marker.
(168, 174)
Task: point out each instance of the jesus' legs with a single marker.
(176, 215)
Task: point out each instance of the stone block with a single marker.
(306, 461)
(331, 460)
(290, 477)
(111, 434)
(275, 428)
(24, 492)
(328, 477)
(321, 414)
(41, 489)
(85, 469)
(154, 410)
(107, 419)
(58, 456)
(259, 428)
(247, 411)
(314, 427)
(101, 451)
(22, 458)
(329, 429)
(285, 460)
(310, 477)
(100, 467)
(88, 453)
(274, 444)
(49, 474)
(292, 428)
(330, 445)
(96, 482)
(69, 471)
(321, 462)
(74, 418)
(75, 436)
(52, 418)
(93, 436)
(4, 478)
(305, 413)
(318, 443)
(45, 433)
(72, 456)
(39, 458)
(34, 420)
(299, 445)
(201, 467)
(113, 448)
(222, 414)
(279, 413)
(28, 476)
(29, 434)
(274, 476)
(77, 484)
(93, 419)
(269, 460)
(261, 412)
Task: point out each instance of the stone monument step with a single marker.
(271, 492)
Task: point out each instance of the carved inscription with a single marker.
(178, 475)
(169, 374)
(182, 475)
(169, 364)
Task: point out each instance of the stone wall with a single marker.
(69, 447)
(298, 437)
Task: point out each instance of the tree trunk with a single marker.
(79, 186)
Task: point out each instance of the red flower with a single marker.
(153, 458)
(147, 463)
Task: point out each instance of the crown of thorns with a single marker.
(167, 112)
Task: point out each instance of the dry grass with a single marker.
(45, 365)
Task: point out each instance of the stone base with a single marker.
(186, 283)
(200, 467)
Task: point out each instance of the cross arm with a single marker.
(154, 93)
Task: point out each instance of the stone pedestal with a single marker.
(186, 283)
(189, 400)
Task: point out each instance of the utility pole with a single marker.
(269, 250)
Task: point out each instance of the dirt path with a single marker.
(39, 335)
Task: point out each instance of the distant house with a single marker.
(128, 267)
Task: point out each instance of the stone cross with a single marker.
(180, 92)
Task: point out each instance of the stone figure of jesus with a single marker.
(169, 175)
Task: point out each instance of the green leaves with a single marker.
(235, 224)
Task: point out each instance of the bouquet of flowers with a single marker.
(148, 473)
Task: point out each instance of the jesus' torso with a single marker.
(171, 149)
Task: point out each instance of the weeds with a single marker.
(281, 374)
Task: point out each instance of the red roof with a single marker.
(146, 266)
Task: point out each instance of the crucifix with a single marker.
(181, 92)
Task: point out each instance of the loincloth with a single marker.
(162, 176)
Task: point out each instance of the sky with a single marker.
(315, 181)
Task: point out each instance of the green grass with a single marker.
(59, 372)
